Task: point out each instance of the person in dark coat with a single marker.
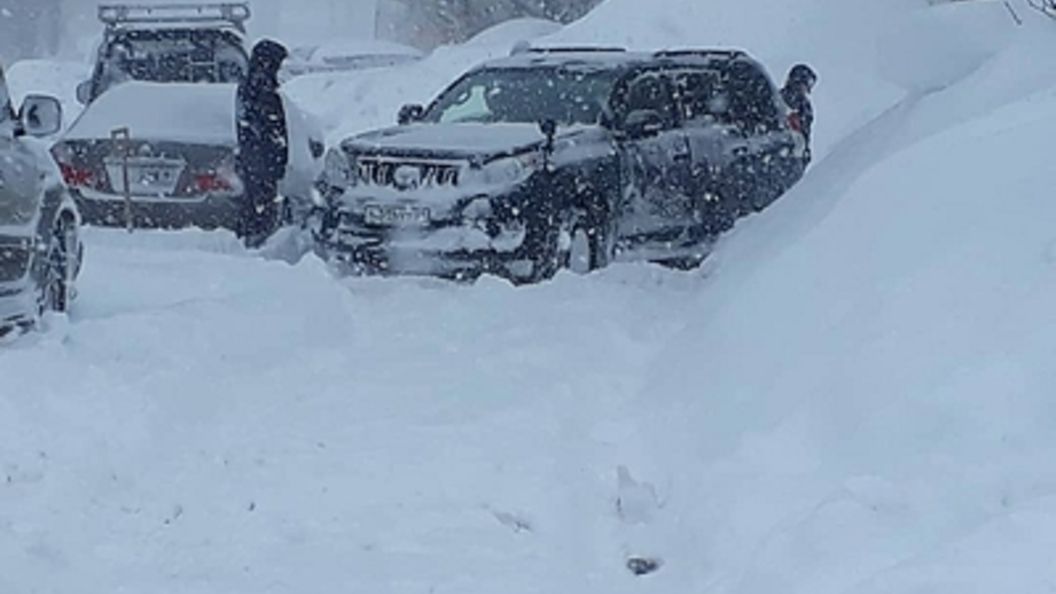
(262, 142)
(796, 93)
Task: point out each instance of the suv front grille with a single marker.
(407, 175)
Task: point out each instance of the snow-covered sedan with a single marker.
(40, 250)
(561, 157)
(162, 155)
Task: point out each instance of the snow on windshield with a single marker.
(518, 95)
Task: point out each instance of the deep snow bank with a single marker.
(866, 381)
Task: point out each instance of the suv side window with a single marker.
(647, 91)
(701, 96)
(752, 105)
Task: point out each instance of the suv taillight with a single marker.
(794, 122)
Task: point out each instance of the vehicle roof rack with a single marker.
(703, 53)
(583, 49)
(235, 14)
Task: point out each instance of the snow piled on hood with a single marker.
(463, 138)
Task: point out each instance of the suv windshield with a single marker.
(172, 55)
(525, 96)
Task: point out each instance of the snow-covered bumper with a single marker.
(383, 232)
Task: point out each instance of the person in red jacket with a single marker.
(796, 94)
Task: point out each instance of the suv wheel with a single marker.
(549, 251)
(582, 250)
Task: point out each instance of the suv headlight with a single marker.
(505, 171)
(338, 170)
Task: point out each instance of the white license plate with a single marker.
(146, 176)
(378, 214)
(154, 176)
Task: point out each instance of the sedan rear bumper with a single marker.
(207, 212)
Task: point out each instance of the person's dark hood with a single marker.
(266, 59)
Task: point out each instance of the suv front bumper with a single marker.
(450, 249)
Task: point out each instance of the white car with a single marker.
(40, 250)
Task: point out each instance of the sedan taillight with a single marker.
(77, 177)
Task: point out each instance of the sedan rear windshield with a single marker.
(176, 55)
(521, 95)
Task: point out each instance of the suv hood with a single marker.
(463, 140)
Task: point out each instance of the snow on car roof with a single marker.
(587, 58)
(179, 112)
(604, 58)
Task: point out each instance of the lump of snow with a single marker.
(937, 46)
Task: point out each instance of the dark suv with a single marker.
(561, 157)
(168, 43)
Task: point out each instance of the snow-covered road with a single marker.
(853, 396)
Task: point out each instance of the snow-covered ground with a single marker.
(853, 396)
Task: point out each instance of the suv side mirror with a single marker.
(41, 115)
(410, 113)
(643, 122)
(84, 92)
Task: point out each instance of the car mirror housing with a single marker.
(410, 113)
(41, 115)
(84, 91)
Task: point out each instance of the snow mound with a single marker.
(514, 31)
(936, 46)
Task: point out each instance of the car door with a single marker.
(703, 101)
(758, 144)
(656, 197)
